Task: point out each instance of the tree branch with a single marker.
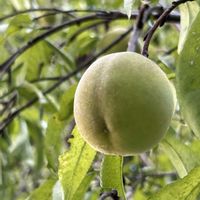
(15, 113)
(172, 18)
(110, 15)
(7, 64)
(132, 45)
(160, 21)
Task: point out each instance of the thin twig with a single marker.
(7, 64)
(132, 45)
(113, 194)
(172, 18)
(54, 78)
(57, 10)
(111, 15)
(160, 21)
(46, 15)
(8, 104)
(15, 113)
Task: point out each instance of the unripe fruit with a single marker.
(112, 35)
(123, 104)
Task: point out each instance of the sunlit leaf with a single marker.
(182, 156)
(82, 189)
(188, 12)
(28, 88)
(74, 165)
(34, 59)
(67, 102)
(187, 188)
(44, 192)
(54, 138)
(187, 76)
(66, 57)
(17, 23)
(111, 174)
(20, 4)
(53, 141)
(139, 195)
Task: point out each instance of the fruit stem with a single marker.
(159, 22)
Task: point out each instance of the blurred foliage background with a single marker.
(31, 143)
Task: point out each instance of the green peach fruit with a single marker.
(123, 104)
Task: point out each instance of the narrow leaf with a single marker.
(188, 12)
(66, 57)
(28, 87)
(53, 141)
(34, 58)
(182, 156)
(187, 188)
(16, 24)
(111, 174)
(74, 165)
(44, 192)
(187, 76)
(82, 189)
(56, 124)
(67, 102)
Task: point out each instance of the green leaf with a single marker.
(66, 103)
(187, 76)
(20, 147)
(111, 174)
(82, 189)
(20, 4)
(128, 6)
(139, 194)
(17, 23)
(34, 58)
(53, 141)
(182, 156)
(56, 124)
(29, 90)
(187, 188)
(44, 192)
(74, 165)
(66, 57)
(188, 12)
(195, 146)
(37, 139)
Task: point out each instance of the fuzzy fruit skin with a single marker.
(123, 104)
